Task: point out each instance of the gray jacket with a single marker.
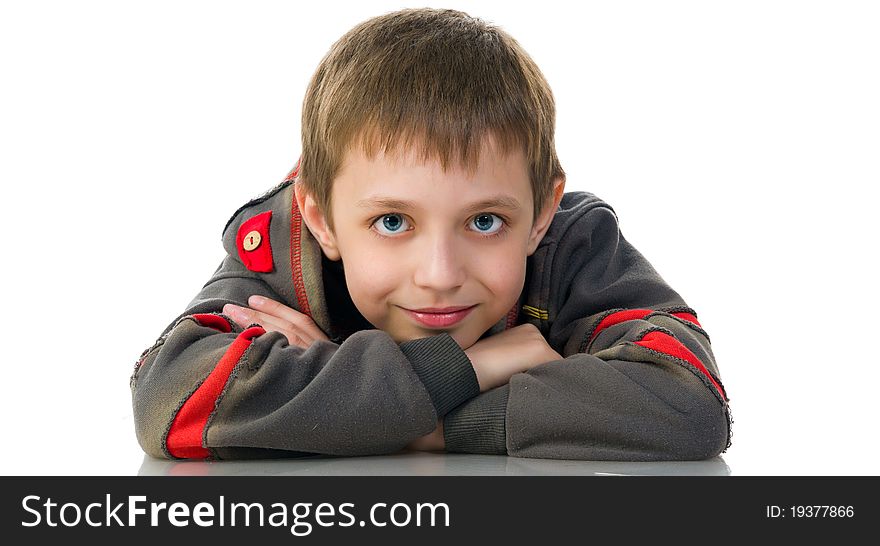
(638, 381)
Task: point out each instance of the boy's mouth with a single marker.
(439, 317)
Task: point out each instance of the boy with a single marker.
(422, 281)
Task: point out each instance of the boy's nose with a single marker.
(441, 266)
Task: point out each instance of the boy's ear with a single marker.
(316, 223)
(545, 217)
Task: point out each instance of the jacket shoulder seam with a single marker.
(256, 201)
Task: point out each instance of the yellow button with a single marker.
(252, 240)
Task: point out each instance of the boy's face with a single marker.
(426, 251)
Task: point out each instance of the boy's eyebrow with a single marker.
(498, 201)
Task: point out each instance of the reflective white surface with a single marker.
(429, 464)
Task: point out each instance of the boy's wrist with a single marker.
(433, 441)
(444, 369)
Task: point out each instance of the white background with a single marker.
(738, 143)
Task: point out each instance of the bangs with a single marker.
(451, 144)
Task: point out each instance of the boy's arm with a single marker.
(209, 388)
(638, 380)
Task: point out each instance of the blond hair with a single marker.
(437, 80)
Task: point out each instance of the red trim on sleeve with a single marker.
(214, 321)
(630, 314)
(688, 317)
(618, 317)
(185, 435)
(258, 258)
(666, 344)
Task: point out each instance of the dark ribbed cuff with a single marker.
(444, 369)
(478, 426)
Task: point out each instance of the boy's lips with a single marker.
(450, 309)
(439, 317)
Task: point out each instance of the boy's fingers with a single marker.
(245, 317)
(232, 312)
(278, 309)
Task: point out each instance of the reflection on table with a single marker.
(429, 464)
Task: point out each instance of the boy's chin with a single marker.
(464, 338)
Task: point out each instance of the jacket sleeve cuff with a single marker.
(478, 426)
(444, 369)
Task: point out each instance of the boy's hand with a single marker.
(432, 441)
(497, 358)
(274, 316)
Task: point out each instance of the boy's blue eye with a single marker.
(392, 223)
(389, 224)
(487, 223)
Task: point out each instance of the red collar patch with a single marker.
(253, 245)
